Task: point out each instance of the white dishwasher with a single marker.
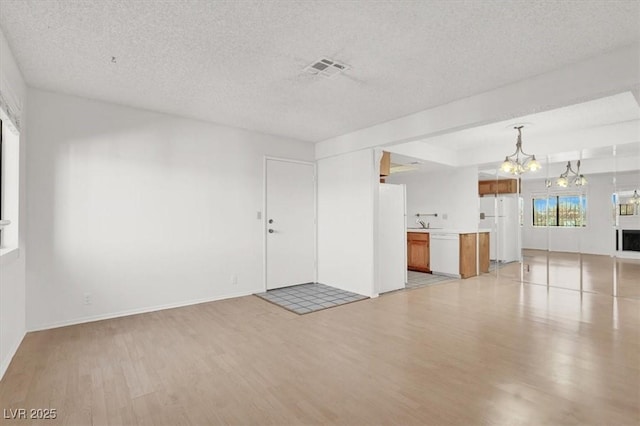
(444, 254)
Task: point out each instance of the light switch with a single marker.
(259, 215)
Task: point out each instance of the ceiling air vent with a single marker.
(326, 68)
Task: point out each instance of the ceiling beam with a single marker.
(608, 74)
(575, 141)
(425, 151)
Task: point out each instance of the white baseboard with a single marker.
(135, 311)
(628, 254)
(5, 363)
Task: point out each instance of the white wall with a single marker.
(452, 194)
(139, 210)
(12, 265)
(598, 236)
(346, 225)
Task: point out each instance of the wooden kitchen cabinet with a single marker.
(500, 186)
(486, 187)
(468, 258)
(483, 246)
(507, 186)
(474, 249)
(385, 164)
(418, 251)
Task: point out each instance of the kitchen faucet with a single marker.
(424, 225)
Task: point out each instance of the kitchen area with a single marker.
(441, 227)
(450, 252)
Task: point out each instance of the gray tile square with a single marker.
(288, 297)
(315, 307)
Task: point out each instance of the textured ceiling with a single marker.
(240, 62)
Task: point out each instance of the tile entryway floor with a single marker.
(422, 279)
(306, 298)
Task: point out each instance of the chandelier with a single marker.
(571, 177)
(635, 198)
(519, 162)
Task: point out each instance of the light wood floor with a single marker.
(597, 272)
(482, 351)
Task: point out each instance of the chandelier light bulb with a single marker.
(506, 166)
(534, 165)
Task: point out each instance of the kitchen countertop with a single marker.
(447, 230)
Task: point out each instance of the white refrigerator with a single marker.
(392, 238)
(501, 215)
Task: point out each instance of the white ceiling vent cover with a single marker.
(326, 68)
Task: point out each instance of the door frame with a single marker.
(264, 214)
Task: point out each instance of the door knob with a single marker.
(270, 220)
(271, 231)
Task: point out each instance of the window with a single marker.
(560, 210)
(1, 186)
(627, 209)
(0, 171)
(9, 184)
(545, 211)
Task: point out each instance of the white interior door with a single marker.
(290, 223)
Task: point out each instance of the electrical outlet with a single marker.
(445, 216)
(234, 279)
(87, 298)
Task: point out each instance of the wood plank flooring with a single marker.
(597, 272)
(482, 351)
